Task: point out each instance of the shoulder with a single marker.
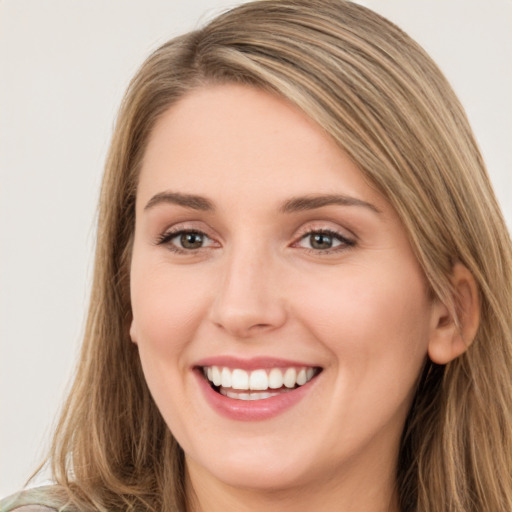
(40, 499)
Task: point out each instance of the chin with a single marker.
(257, 470)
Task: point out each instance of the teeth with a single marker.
(257, 380)
(239, 379)
(216, 377)
(247, 396)
(290, 378)
(226, 378)
(275, 378)
(301, 377)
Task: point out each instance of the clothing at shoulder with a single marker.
(39, 499)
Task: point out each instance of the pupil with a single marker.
(191, 240)
(321, 241)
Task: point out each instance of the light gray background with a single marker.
(64, 65)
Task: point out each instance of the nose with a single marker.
(249, 301)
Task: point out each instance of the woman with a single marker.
(302, 289)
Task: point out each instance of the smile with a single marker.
(259, 384)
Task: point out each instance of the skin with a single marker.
(257, 287)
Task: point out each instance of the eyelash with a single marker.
(345, 243)
(167, 237)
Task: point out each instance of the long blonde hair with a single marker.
(383, 100)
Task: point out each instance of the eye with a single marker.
(324, 240)
(185, 240)
(190, 240)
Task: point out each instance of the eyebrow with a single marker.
(295, 204)
(187, 200)
(303, 203)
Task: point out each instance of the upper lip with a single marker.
(255, 363)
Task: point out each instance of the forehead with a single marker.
(237, 138)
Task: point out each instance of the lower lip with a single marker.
(252, 410)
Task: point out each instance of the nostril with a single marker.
(241, 327)
(247, 302)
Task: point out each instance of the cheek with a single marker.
(375, 323)
(167, 307)
(167, 310)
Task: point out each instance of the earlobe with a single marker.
(133, 334)
(454, 327)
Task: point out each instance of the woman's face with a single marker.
(263, 259)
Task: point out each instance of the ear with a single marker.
(454, 327)
(133, 331)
